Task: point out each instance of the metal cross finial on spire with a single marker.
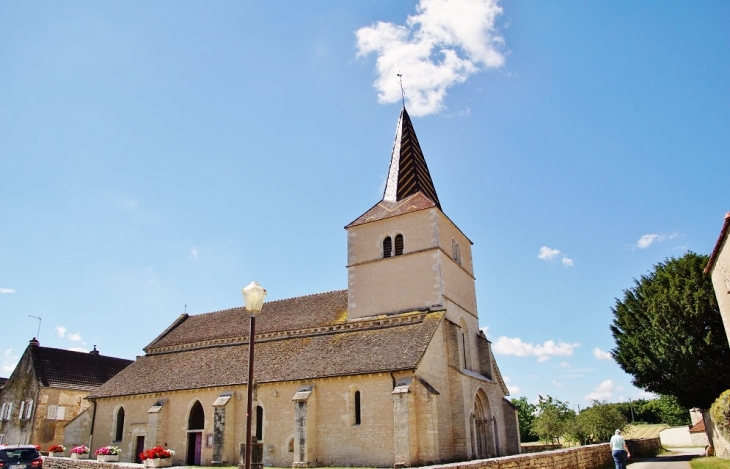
(402, 93)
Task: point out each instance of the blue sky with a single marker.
(165, 154)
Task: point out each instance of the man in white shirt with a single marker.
(619, 450)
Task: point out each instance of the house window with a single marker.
(2, 438)
(56, 412)
(119, 433)
(29, 410)
(398, 244)
(387, 247)
(290, 445)
(2, 412)
(357, 408)
(8, 411)
(21, 413)
(259, 423)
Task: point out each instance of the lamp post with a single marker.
(253, 297)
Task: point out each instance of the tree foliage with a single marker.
(526, 413)
(669, 333)
(553, 417)
(668, 411)
(596, 423)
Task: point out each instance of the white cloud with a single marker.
(9, 361)
(78, 349)
(648, 239)
(193, 253)
(126, 203)
(564, 365)
(443, 44)
(646, 395)
(556, 383)
(76, 337)
(7, 290)
(601, 355)
(601, 392)
(516, 347)
(548, 254)
(60, 331)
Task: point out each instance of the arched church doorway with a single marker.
(196, 424)
(483, 429)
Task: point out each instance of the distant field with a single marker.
(644, 431)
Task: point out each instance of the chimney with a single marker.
(94, 352)
(34, 342)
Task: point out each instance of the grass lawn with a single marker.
(710, 463)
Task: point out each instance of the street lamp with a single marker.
(253, 297)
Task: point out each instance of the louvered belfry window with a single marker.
(387, 247)
(398, 244)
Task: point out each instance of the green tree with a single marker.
(669, 334)
(553, 417)
(668, 410)
(596, 424)
(526, 413)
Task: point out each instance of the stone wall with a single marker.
(581, 457)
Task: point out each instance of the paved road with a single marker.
(677, 459)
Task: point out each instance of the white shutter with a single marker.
(29, 410)
(61, 413)
(51, 414)
(21, 414)
(2, 412)
(9, 411)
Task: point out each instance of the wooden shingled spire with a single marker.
(408, 172)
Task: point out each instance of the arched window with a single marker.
(259, 423)
(357, 408)
(119, 431)
(387, 247)
(398, 244)
(196, 420)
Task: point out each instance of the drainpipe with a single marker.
(93, 420)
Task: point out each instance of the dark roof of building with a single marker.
(385, 344)
(58, 368)
(3, 381)
(408, 173)
(302, 312)
(719, 243)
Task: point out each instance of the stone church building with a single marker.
(393, 371)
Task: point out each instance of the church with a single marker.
(392, 372)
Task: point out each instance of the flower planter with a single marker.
(55, 454)
(158, 462)
(79, 456)
(107, 457)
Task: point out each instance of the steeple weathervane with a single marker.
(402, 93)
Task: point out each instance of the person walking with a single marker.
(619, 450)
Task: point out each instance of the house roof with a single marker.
(381, 344)
(3, 381)
(718, 244)
(699, 427)
(58, 368)
(385, 209)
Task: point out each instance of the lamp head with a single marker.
(253, 297)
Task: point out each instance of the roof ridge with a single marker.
(270, 302)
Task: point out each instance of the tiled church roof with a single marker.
(409, 186)
(392, 347)
(67, 369)
(408, 173)
(302, 312)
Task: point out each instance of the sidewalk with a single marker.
(677, 459)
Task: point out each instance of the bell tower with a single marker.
(405, 254)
